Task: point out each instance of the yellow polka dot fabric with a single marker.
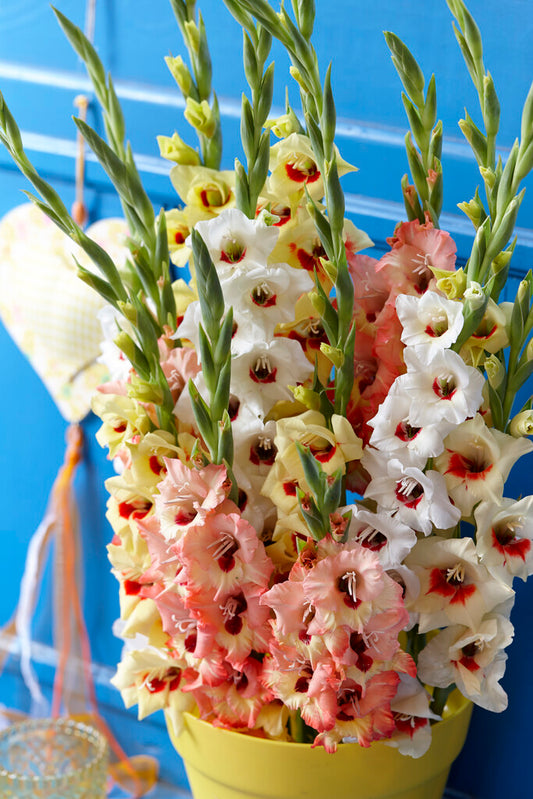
(48, 311)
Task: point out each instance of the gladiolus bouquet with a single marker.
(311, 536)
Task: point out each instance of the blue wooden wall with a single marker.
(40, 76)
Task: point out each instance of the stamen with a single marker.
(350, 579)
(183, 625)
(262, 366)
(229, 610)
(422, 262)
(224, 544)
(407, 485)
(456, 574)
(262, 294)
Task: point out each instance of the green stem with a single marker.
(440, 697)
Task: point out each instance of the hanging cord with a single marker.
(79, 209)
(137, 774)
(81, 102)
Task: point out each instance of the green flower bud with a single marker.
(180, 73)
(491, 106)
(143, 391)
(453, 284)
(128, 312)
(334, 354)
(474, 211)
(488, 176)
(307, 397)
(495, 371)
(193, 35)
(522, 424)
(317, 302)
(298, 77)
(201, 117)
(474, 295)
(284, 125)
(501, 261)
(173, 148)
(330, 269)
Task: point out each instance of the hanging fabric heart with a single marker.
(48, 311)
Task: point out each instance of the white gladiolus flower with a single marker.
(440, 387)
(410, 708)
(476, 462)
(265, 295)
(504, 536)
(261, 375)
(471, 658)
(382, 533)
(234, 241)
(430, 320)
(393, 430)
(455, 588)
(419, 499)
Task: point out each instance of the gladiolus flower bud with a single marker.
(200, 116)
(453, 284)
(335, 355)
(173, 148)
(180, 73)
(495, 371)
(474, 295)
(522, 424)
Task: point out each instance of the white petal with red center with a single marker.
(441, 387)
(393, 430)
(472, 658)
(431, 320)
(419, 499)
(455, 588)
(383, 534)
(265, 296)
(234, 240)
(476, 462)
(505, 536)
(261, 375)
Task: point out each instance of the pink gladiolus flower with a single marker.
(414, 248)
(188, 495)
(222, 554)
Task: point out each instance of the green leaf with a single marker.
(312, 471)
(209, 291)
(329, 116)
(429, 114)
(208, 365)
(333, 493)
(251, 67)
(264, 102)
(203, 419)
(522, 374)
(407, 67)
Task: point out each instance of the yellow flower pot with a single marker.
(222, 764)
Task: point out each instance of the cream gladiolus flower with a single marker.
(455, 588)
(476, 462)
(419, 499)
(505, 536)
(473, 659)
(430, 320)
(441, 386)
